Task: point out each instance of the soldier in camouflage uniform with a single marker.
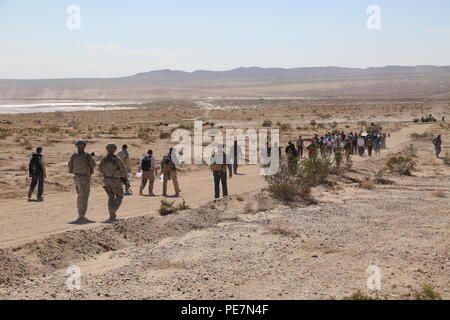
(82, 166)
(113, 170)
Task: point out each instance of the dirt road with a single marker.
(22, 221)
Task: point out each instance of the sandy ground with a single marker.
(227, 249)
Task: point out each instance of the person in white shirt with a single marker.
(361, 143)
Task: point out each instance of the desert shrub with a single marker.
(74, 124)
(367, 184)
(427, 292)
(286, 185)
(317, 170)
(400, 164)
(411, 151)
(164, 135)
(53, 129)
(285, 127)
(167, 207)
(313, 123)
(358, 295)
(113, 129)
(333, 125)
(186, 126)
(267, 123)
(380, 177)
(290, 184)
(183, 206)
(281, 228)
(4, 133)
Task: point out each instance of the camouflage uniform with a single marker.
(82, 166)
(113, 169)
(170, 174)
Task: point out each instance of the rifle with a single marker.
(126, 183)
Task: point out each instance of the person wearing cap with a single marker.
(37, 173)
(124, 155)
(113, 170)
(82, 166)
(147, 165)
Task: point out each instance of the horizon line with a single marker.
(227, 70)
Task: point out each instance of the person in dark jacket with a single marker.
(37, 173)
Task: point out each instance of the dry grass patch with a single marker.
(439, 194)
(281, 228)
(427, 292)
(367, 184)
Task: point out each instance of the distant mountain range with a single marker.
(252, 82)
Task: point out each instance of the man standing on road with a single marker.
(169, 170)
(37, 173)
(124, 155)
(82, 166)
(113, 170)
(147, 165)
(219, 167)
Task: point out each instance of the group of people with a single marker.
(116, 171)
(337, 144)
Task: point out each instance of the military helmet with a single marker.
(80, 143)
(111, 147)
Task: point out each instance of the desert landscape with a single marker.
(251, 244)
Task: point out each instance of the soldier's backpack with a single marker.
(81, 163)
(35, 167)
(146, 163)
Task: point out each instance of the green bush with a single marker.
(267, 123)
(427, 293)
(400, 164)
(285, 127)
(316, 170)
(291, 183)
(167, 207)
(164, 135)
(287, 185)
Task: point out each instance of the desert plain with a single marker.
(248, 245)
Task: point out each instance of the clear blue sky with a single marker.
(119, 38)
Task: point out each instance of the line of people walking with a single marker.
(338, 144)
(116, 171)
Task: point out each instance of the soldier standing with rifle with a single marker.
(82, 166)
